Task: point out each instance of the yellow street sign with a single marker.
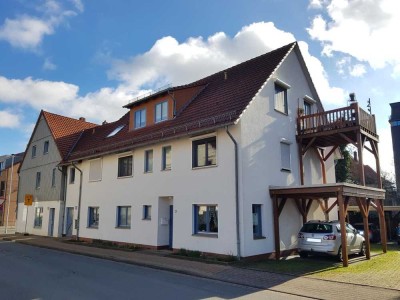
(28, 199)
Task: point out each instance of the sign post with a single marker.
(28, 202)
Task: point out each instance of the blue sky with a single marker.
(90, 57)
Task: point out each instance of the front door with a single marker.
(70, 218)
(171, 225)
(52, 212)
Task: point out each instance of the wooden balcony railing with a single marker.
(339, 118)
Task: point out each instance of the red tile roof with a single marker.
(225, 96)
(65, 130)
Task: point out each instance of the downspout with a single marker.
(236, 191)
(63, 196)
(79, 200)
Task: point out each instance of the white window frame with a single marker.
(141, 123)
(128, 216)
(163, 112)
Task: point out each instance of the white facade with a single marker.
(260, 133)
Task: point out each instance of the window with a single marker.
(166, 158)
(257, 229)
(205, 219)
(146, 212)
(281, 99)
(125, 166)
(38, 175)
(148, 161)
(46, 147)
(307, 108)
(115, 131)
(38, 217)
(140, 118)
(2, 188)
(95, 169)
(124, 216)
(204, 152)
(33, 151)
(53, 178)
(93, 217)
(72, 175)
(285, 156)
(161, 111)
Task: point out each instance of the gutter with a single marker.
(236, 191)
(79, 200)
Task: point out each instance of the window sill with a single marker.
(146, 219)
(92, 227)
(259, 237)
(122, 177)
(148, 172)
(286, 170)
(97, 180)
(123, 227)
(204, 167)
(165, 170)
(37, 227)
(281, 112)
(210, 235)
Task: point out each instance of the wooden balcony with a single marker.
(336, 127)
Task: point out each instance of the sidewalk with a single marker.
(302, 286)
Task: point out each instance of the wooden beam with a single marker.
(276, 228)
(360, 147)
(308, 207)
(382, 224)
(310, 143)
(281, 205)
(332, 206)
(343, 236)
(330, 152)
(347, 139)
(366, 229)
(375, 149)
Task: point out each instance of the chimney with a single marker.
(352, 97)
(355, 156)
(104, 122)
(225, 75)
(82, 119)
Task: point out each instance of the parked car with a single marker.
(324, 237)
(374, 232)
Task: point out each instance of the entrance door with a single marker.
(51, 221)
(171, 227)
(70, 218)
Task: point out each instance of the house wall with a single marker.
(182, 187)
(9, 176)
(262, 129)
(46, 196)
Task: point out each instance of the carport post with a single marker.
(343, 229)
(382, 224)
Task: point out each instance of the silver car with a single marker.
(323, 237)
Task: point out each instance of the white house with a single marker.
(190, 166)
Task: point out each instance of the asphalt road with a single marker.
(35, 273)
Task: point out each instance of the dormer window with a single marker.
(140, 118)
(161, 112)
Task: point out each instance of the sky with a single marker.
(88, 58)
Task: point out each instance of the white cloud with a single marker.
(364, 29)
(9, 120)
(27, 32)
(49, 65)
(357, 70)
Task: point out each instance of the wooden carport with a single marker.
(303, 196)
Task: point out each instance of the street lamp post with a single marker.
(10, 191)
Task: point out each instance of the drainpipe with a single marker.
(63, 196)
(236, 191)
(10, 191)
(79, 200)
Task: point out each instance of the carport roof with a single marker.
(320, 191)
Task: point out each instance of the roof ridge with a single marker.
(70, 118)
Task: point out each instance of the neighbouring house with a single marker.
(190, 166)
(41, 178)
(9, 165)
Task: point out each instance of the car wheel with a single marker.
(362, 249)
(339, 254)
(303, 254)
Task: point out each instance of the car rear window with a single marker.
(316, 228)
